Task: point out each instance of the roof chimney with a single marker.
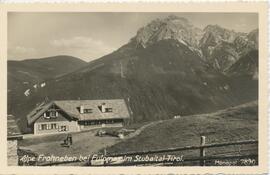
(81, 109)
(103, 107)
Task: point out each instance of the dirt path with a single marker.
(138, 131)
(84, 144)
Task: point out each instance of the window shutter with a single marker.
(39, 127)
(44, 114)
(56, 114)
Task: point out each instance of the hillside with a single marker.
(33, 74)
(37, 70)
(33, 71)
(158, 82)
(241, 124)
(159, 73)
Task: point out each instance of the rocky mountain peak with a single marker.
(172, 27)
(214, 34)
(222, 47)
(218, 46)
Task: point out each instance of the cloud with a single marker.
(86, 48)
(241, 25)
(20, 52)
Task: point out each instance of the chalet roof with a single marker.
(71, 107)
(39, 110)
(13, 131)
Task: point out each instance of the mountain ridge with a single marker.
(219, 46)
(158, 82)
(159, 77)
(28, 76)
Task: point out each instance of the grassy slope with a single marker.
(232, 124)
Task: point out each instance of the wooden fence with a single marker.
(202, 157)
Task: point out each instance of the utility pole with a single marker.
(121, 70)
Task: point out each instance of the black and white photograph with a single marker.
(103, 89)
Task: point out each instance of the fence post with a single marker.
(104, 152)
(202, 151)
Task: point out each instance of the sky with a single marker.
(91, 35)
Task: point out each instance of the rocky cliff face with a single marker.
(218, 34)
(222, 47)
(253, 38)
(217, 46)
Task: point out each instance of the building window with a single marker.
(87, 111)
(108, 110)
(47, 126)
(43, 126)
(99, 122)
(50, 114)
(46, 115)
(53, 126)
(103, 108)
(53, 114)
(88, 123)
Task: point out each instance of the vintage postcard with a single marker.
(142, 88)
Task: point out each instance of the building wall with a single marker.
(44, 125)
(72, 126)
(12, 153)
(51, 125)
(85, 125)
